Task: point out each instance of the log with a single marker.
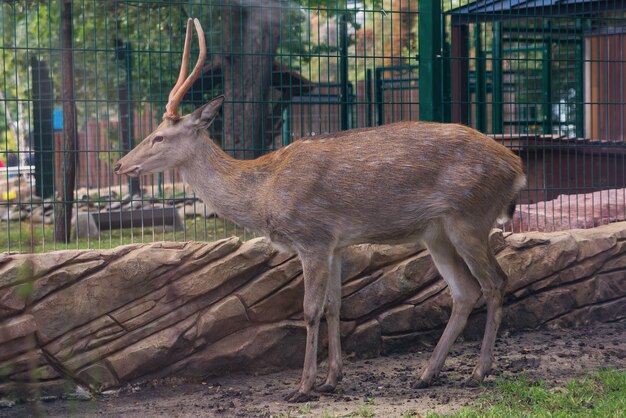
(105, 318)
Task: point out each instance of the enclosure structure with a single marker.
(544, 77)
(548, 78)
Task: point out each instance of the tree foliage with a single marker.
(155, 31)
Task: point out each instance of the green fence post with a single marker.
(481, 81)
(447, 84)
(368, 97)
(496, 84)
(378, 96)
(430, 80)
(546, 80)
(350, 106)
(343, 71)
(580, 81)
(286, 127)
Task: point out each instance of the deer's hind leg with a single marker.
(474, 248)
(465, 292)
(332, 311)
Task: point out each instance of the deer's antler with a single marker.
(183, 84)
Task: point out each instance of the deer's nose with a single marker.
(117, 167)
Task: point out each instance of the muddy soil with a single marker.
(381, 386)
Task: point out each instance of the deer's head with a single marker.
(172, 143)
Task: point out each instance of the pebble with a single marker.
(81, 394)
(6, 403)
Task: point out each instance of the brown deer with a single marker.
(443, 184)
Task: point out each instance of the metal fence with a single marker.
(83, 81)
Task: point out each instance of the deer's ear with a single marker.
(204, 115)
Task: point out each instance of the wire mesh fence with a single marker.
(545, 78)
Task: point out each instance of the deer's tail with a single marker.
(507, 213)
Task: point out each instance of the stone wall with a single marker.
(105, 318)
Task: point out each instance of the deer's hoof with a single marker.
(420, 384)
(480, 373)
(326, 388)
(299, 397)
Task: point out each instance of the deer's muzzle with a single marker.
(132, 171)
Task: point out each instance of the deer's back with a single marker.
(387, 182)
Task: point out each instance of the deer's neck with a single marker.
(229, 186)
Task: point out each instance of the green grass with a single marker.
(305, 409)
(602, 395)
(36, 238)
(363, 411)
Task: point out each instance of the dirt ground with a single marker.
(381, 386)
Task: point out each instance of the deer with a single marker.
(442, 184)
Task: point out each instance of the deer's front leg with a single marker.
(315, 268)
(332, 310)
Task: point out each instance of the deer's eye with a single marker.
(157, 139)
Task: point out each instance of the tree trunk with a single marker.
(64, 182)
(250, 36)
(125, 97)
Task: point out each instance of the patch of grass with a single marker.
(37, 238)
(305, 409)
(602, 395)
(363, 411)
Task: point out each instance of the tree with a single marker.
(250, 37)
(64, 184)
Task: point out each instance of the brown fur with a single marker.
(443, 184)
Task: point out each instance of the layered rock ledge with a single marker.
(104, 318)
